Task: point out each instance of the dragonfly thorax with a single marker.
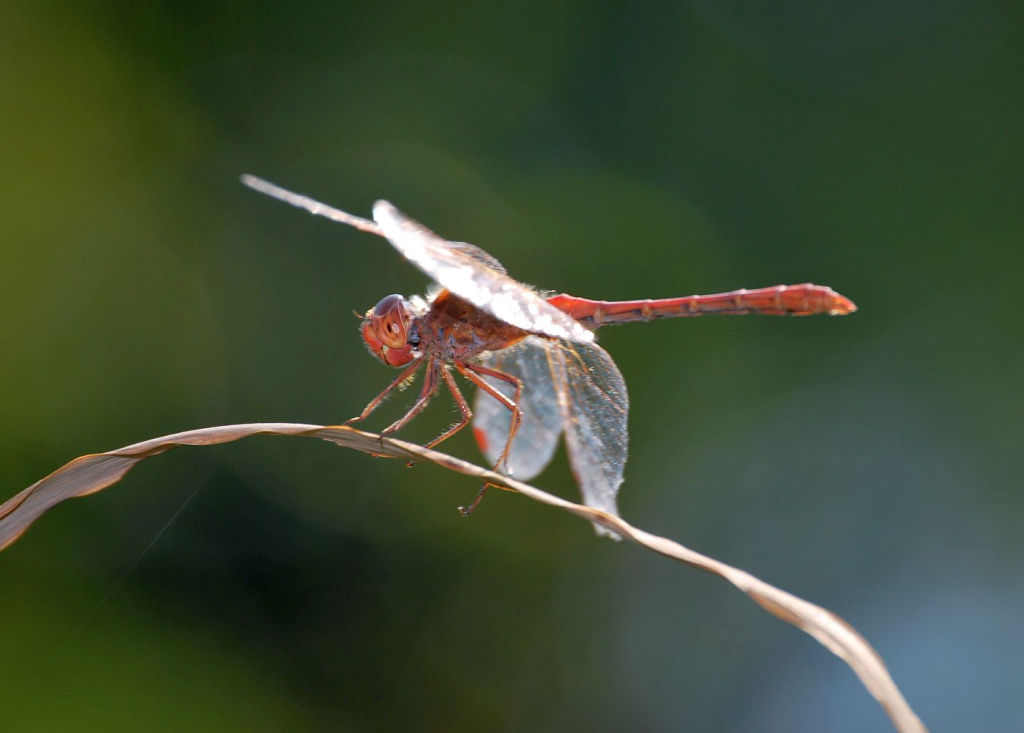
(386, 331)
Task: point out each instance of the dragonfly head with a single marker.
(385, 331)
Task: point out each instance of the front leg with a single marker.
(406, 374)
(429, 388)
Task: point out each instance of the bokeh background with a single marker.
(871, 464)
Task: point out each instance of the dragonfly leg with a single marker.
(376, 401)
(468, 509)
(428, 390)
(465, 413)
(470, 372)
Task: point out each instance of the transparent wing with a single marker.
(595, 408)
(535, 443)
(474, 252)
(462, 268)
(317, 208)
(572, 386)
(470, 273)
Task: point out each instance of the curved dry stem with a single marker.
(90, 473)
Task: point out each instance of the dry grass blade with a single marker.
(95, 471)
(91, 473)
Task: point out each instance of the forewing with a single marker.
(470, 273)
(595, 407)
(537, 438)
(474, 252)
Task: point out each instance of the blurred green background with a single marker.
(871, 464)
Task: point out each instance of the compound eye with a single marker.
(390, 321)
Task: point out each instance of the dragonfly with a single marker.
(532, 356)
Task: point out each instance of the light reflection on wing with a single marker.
(541, 425)
(471, 275)
(595, 414)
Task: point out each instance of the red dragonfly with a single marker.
(532, 356)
